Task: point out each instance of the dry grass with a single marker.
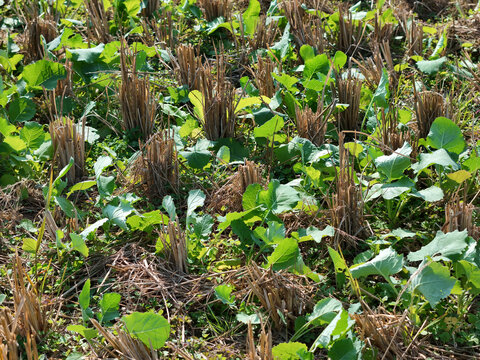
(161, 30)
(346, 205)
(68, 143)
(372, 67)
(126, 346)
(459, 215)
(187, 66)
(428, 106)
(348, 91)
(263, 76)
(391, 137)
(264, 349)
(382, 32)
(31, 40)
(98, 28)
(350, 32)
(218, 101)
(229, 196)
(264, 35)
(305, 28)
(413, 32)
(213, 9)
(175, 246)
(27, 320)
(313, 125)
(151, 7)
(159, 165)
(277, 292)
(138, 106)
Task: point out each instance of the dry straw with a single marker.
(213, 9)
(428, 106)
(263, 351)
(348, 90)
(68, 142)
(175, 246)
(161, 30)
(263, 77)
(98, 28)
(350, 32)
(187, 66)
(137, 102)
(306, 29)
(313, 125)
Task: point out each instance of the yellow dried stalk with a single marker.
(459, 215)
(161, 164)
(98, 28)
(264, 34)
(213, 9)
(137, 103)
(392, 137)
(187, 66)
(125, 344)
(35, 29)
(161, 30)
(68, 143)
(230, 195)
(413, 33)
(348, 91)
(382, 32)
(264, 349)
(346, 205)
(218, 101)
(263, 77)
(175, 246)
(27, 320)
(428, 106)
(306, 29)
(276, 295)
(151, 7)
(350, 32)
(313, 125)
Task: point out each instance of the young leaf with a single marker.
(288, 351)
(272, 126)
(442, 247)
(78, 243)
(438, 157)
(224, 294)
(284, 256)
(431, 66)
(21, 109)
(445, 134)
(196, 199)
(278, 198)
(84, 297)
(43, 73)
(386, 263)
(250, 17)
(152, 329)
(393, 166)
(434, 282)
(109, 307)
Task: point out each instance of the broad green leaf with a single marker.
(319, 63)
(15, 143)
(109, 307)
(250, 17)
(119, 213)
(272, 126)
(393, 166)
(438, 157)
(459, 176)
(83, 185)
(250, 101)
(338, 261)
(145, 221)
(82, 330)
(196, 98)
(245, 319)
(318, 235)
(307, 52)
(283, 45)
(288, 351)
(434, 282)
(198, 156)
(431, 67)
(287, 81)
(106, 185)
(338, 326)
(224, 294)
(471, 273)
(325, 311)
(84, 297)
(89, 56)
(391, 190)
(223, 154)
(431, 194)
(284, 256)
(101, 163)
(343, 349)
(445, 134)
(169, 207)
(5, 127)
(278, 198)
(21, 109)
(354, 148)
(250, 196)
(472, 163)
(93, 227)
(78, 243)
(442, 247)
(43, 73)
(133, 7)
(386, 263)
(67, 207)
(196, 199)
(30, 245)
(32, 134)
(152, 329)
(339, 60)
